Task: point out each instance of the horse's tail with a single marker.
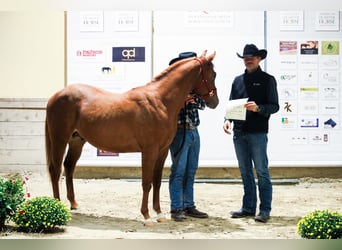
(53, 170)
(47, 144)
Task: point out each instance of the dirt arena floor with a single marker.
(110, 209)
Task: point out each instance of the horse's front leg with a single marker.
(146, 186)
(148, 158)
(157, 176)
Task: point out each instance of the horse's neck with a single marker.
(176, 85)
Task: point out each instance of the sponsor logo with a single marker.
(128, 54)
(330, 123)
(287, 77)
(287, 107)
(88, 53)
(309, 123)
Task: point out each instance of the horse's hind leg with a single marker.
(54, 155)
(74, 152)
(55, 169)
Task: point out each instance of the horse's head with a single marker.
(206, 88)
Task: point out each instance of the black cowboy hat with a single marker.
(252, 50)
(182, 55)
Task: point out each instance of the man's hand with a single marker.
(252, 106)
(190, 99)
(227, 127)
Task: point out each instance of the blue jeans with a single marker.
(184, 155)
(251, 148)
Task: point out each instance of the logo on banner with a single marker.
(287, 107)
(287, 77)
(88, 53)
(128, 54)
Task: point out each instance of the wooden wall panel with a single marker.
(22, 142)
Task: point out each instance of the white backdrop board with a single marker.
(224, 32)
(305, 56)
(307, 81)
(92, 36)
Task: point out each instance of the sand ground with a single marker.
(110, 209)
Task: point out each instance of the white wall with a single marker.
(32, 53)
(31, 70)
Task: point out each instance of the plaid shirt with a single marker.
(189, 115)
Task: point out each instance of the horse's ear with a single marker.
(204, 53)
(211, 57)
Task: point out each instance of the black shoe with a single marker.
(193, 212)
(178, 215)
(262, 218)
(241, 214)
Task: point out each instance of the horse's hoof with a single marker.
(73, 205)
(148, 223)
(161, 217)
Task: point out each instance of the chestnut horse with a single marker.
(143, 119)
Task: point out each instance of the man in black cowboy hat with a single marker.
(250, 135)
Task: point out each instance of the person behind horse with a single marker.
(250, 135)
(184, 154)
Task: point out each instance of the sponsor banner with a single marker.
(128, 54)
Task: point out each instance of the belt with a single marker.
(187, 126)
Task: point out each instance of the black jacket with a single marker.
(261, 88)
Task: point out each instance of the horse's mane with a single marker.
(161, 75)
(165, 73)
(169, 69)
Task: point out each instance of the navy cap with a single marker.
(183, 55)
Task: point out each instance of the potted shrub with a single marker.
(11, 196)
(320, 225)
(41, 214)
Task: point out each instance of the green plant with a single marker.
(320, 225)
(11, 196)
(41, 214)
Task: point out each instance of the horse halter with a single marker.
(211, 92)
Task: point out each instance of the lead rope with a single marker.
(184, 129)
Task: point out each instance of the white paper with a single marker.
(235, 109)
